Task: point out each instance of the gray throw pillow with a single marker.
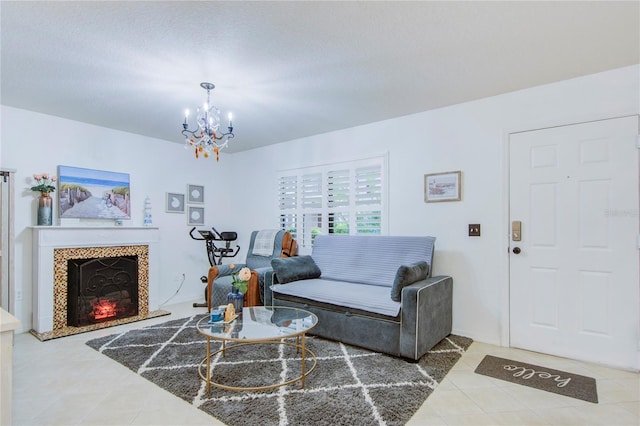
(295, 268)
(406, 275)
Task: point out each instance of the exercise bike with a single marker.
(215, 254)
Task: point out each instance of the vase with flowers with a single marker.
(239, 284)
(44, 185)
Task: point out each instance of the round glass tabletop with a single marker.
(260, 323)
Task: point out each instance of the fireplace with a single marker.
(101, 289)
(55, 246)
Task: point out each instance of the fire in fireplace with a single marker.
(101, 289)
(103, 308)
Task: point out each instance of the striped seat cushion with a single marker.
(348, 295)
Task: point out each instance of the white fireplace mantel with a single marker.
(47, 238)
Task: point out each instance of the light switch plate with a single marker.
(474, 229)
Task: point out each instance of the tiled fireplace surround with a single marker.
(53, 246)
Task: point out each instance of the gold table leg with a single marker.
(305, 351)
(208, 364)
(304, 358)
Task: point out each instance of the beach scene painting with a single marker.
(93, 194)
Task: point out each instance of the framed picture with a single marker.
(195, 194)
(175, 202)
(196, 216)
(440, 187)
(93, 194)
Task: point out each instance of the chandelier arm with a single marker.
(187, 133)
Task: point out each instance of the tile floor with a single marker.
(47, 391)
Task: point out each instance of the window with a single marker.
(340, 198)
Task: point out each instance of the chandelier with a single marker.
(207, 138)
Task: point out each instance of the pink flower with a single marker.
(244, 274)
(240, 280)
(44, 183)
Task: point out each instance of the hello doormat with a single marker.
(534, 376)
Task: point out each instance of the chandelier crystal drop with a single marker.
(207, 139)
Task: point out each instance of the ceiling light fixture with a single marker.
(207, 138)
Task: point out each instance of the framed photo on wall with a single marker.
(109, 192)
(444, 186)
(175, 202)
(196, 216)
(195, 194)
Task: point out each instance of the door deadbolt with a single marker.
(516, 250)
(516, 230)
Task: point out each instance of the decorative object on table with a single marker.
(440, 187)
(239, 283)
(216, 316)
(207, 138)
(236, 300)
(230, 313)
(148, 221)
(175, 202)
(356, 386)
(196, 216)
(195, 194)
(93, 194)
(44, 185)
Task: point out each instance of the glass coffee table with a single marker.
(259, 325)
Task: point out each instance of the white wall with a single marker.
(241, 188)
(36, 143)
(471, 137)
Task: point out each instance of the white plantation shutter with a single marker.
(341, 198)
(311, 226)
(289, 222)
(338, 223)
(288, 203)
(368, 193)
(312, 191)
(338, 188)
(288, 192)
(368, 222)
(368, 185)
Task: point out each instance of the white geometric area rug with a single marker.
(349, 385)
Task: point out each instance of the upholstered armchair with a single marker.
(258, 259)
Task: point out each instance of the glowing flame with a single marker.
(104, 308)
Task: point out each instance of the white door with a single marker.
(574, 283)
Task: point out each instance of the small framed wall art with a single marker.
(196, 216)
(446, 186)
(195, 194)
(175, 202)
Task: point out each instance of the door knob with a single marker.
(516, 250)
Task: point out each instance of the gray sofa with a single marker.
(350, 282)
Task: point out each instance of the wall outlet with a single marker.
(474, 229)
(18, 294)
(179, 277)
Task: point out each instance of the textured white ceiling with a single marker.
(294, 69)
